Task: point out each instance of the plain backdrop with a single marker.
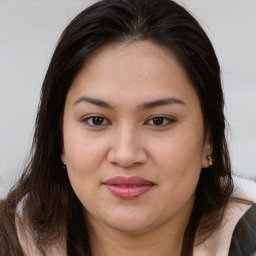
(29, 31)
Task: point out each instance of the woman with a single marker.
(129, 154)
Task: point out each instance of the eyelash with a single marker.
(166, 120)
(90, 119)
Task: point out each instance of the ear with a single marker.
(207, 149)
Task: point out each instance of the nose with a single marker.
(127, 148)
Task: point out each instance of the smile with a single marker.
(128, 188)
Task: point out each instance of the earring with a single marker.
(210, 158)
(63, 162)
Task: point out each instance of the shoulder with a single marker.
(244, 188)
(244, 236)
(28, 238)
(9, 244)
(243, 239)
(239, 220)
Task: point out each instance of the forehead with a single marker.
(140, 70)
(131, 57)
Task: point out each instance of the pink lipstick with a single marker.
(128, 187)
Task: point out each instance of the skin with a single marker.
(128, 142)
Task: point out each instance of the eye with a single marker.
(96, 121)
(160, 121)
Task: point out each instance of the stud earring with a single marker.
(210, 159)
(63, 162)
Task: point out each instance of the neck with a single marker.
(156, 242)
(161, 238)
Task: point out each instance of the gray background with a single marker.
(29, 31)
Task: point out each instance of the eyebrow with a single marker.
(160, 102)
(144, 106)
(94, 101)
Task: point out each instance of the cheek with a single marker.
(83, 164)
(179, 161)
(180, 153)
(82, 151)
(83, 157)
(83, 168)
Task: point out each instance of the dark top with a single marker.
(243, 242)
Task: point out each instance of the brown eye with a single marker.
(96, 121)
(158, 120)
(161, 121)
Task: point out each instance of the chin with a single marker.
(131, 225)
(130, 229)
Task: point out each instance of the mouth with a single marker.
(128, 188)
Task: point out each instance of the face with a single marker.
(134, 141)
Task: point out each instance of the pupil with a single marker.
(97, 120)
(158, 120)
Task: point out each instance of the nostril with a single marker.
(126, 159)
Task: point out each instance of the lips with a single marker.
(128, 187)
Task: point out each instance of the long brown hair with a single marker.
(51, 205)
